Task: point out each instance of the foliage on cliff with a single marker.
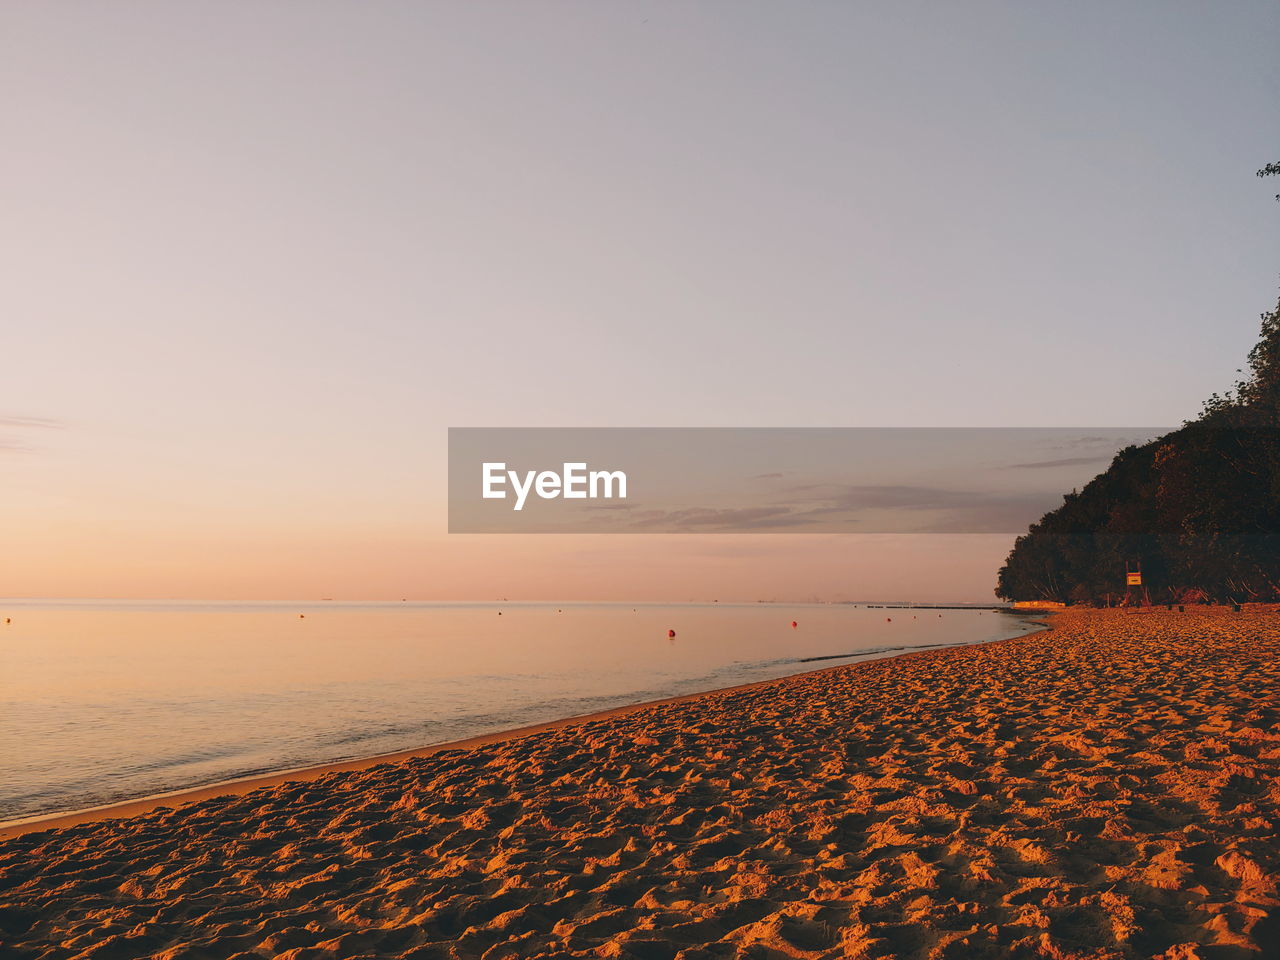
(1198, 509)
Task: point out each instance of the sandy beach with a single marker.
(1106, 789)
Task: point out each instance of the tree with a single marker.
(1270, 170)
(1199, 508)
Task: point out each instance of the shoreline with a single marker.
(1103, 789)
(238, 786)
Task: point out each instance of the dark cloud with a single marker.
(858, 508)
(1065, 462)
(1115, 441)
(703, 517)
(41, 422)
(899, 497)
(11, 444)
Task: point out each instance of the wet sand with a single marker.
(1104, 790)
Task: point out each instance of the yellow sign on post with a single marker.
(1133, 579)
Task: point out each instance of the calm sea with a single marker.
(107, 700)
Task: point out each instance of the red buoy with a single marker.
(671, 633)
(793, 624)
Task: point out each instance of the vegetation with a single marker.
(1197, 509)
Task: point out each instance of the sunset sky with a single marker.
(258, 259)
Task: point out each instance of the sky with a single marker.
(259, 258)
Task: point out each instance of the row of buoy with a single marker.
(671, 634)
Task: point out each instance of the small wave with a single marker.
(871, 652)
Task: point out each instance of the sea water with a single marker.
(108, 700)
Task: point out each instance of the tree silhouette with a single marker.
(1270, 170)
(1198, 508)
